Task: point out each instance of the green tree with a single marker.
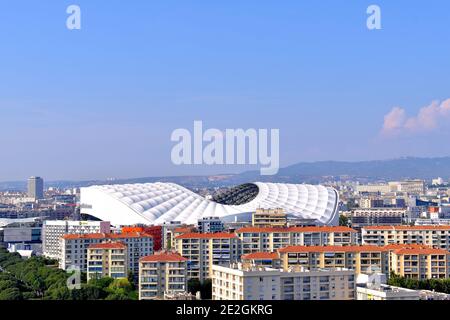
(343, 220)
(10, 294)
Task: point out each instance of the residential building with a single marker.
(108, 259)
(236, 282)
(74, 248)
(53, 230)
(377, 217)
(161, 274)
(210, 225)
(430, 235)
(373, 188)
(385, 292)
(255, 239)
(275, 218)
(362, 259)
(265, 259)
(203, 250)
(409, 186)
(154, 231)
(419, 262)
(367, 203)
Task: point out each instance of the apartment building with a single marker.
(236, 282)
(109, 259)
(255, 239)
(154, 231)
(275, 218)
(419, 261)
(434, 236)
(203, 250)
(161, 274)
(373, 188)
(210, 225)
(74, 248)
(265, 259)
(53, 230)
(362, 259)
(385, 292)
(377, 217)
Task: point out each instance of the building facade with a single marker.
(419, 262)
(108, 259)
(74, 248)
(433, 236)
(36, 188)
(53, 230)
(362, 259)
(255, 239)
(162, 274)
(203, 250)
(210, 225)
(236, 282)
(275, 218)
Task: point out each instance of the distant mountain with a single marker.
(303, 172)
(396, 169)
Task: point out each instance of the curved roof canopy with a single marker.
(157, 203)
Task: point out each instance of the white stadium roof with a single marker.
(158, 203)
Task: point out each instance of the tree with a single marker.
(194, 286)
(343, 220)
(10, 294)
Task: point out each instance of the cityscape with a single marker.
(212, 158)
(256, 241)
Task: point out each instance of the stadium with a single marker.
(159, 203)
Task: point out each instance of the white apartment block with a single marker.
(203, 250)
(53, 230)
(255, 239)
(162, 274)
(75, 246)
(434, 236)
(236, 282)
(385, 292)
(373, 188)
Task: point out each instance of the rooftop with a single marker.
(106, 235)
(364, 248)
(108, 245)
(296, 229)
(163, 257)
(218, 235)
(261, 256)
(406, 228)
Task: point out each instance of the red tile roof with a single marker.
(396, 246)
(365, 248)
(219, 235)
(261, 256)
(107, 235)
(184, 230)
(108, 245)
(296, 229)
(163, 257)
(407, 228)
(419, 251)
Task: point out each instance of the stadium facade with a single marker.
(159, 203)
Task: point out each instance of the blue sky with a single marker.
(102, 101)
